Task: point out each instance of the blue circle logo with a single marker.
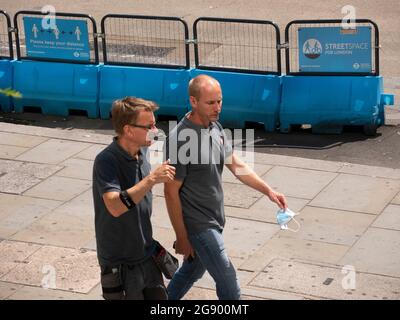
(312, 48)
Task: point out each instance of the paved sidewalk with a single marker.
(350, 216)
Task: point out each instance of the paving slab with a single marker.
(90, 245)
(17, 212)
(8, 289)
(239, 195)
(377, 252)
(158, 190)
(244, 237)
(14, 253)
(55, 151)
(95, 294)
(264, 210)
(58, 268)
(59, 188)
(91, 152)
(358, 193)
(260, 169)
(20, 140)
(326, 281)
(71, 134)
(24, 175)
(287, 161)
(39, 293)
(11, 152)
(81, 207)
(58, 229)
(77, 169)
(196, 293)
(291, 248)
(160, 217)
(370, 171)
(396, 200)
(389, 218)
(298, 183)
(327, 225)
(270, 294)
(8, 166)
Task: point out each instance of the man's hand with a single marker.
(183, 246)
(163, 173)
(278, 198)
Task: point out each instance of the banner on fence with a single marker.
(65, 39)
(333, 49)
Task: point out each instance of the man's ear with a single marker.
(127, 130)
(193, 102)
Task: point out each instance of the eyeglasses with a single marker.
(148, 127)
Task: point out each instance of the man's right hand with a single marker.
(183, 246)
(163, 173)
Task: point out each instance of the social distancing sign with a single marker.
(64, 39)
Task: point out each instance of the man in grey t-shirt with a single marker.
(199, 149)
(122, 184)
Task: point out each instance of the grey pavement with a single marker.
(347, 247)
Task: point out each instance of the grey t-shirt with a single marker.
(128, 238)
(199, 154)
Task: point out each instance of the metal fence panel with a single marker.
(292, 45)
(237, 45)
(6, 48)
(145, 41)
(20, 36)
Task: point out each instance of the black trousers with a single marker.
(142, 281)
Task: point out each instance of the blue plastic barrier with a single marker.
(167, 87)
(329, 103)
(56, 88)
(247, 98)
(5, 82)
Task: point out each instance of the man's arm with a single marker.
(246, 175)
(114, 205)
(174, 207)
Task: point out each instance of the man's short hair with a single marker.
(126, 111)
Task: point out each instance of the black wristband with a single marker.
(126, 199)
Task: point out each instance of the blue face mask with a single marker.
(283, 217)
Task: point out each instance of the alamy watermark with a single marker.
(49, 278)
(349, 20)
(349, 280)
(205, 146)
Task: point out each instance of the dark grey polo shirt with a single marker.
(128, 238)
(199, 154)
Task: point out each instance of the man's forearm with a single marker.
(254, 181)
(136, 193)
(174, 208)
(139, 190)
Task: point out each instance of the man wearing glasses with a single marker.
(122, 183)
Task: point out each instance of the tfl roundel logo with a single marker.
(312, 48)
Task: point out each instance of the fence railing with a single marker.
(145, 41)
(6, 44)
(237, 45)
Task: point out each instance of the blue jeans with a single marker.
(211, 256)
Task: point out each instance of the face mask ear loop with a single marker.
(298, 226)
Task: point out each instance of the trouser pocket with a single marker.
(111, 284)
